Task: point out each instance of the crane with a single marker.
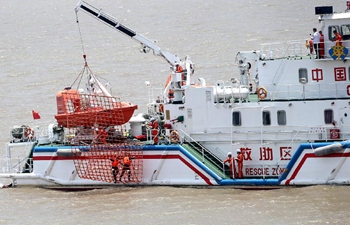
(146, 44)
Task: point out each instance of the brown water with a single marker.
(41, 53)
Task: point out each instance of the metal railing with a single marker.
(205, 153)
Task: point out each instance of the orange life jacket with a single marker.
(126, 160)
(115, 163)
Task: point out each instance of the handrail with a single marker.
(204, 151)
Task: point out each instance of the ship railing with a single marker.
(272, 133)
(295, 48)
(311, 90)
(14, 165)
(16, 161)
(279, 50)
(205, 153)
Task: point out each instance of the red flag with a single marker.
(36, 115)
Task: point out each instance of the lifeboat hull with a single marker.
(98, 116)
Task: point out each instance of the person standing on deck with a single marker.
(239, 160)
(154, 126)
(321, 45)
(316, 41)
(337, 38)
(232, 166)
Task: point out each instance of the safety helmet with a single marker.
(238, 150)
(229, 153)
(153, 119)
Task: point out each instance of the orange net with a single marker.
(107, 163)
(75, 109)
(94, 127)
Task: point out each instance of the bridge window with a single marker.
(281, 117)
(330, 32)
(303, 76)
(266, 118)
(236, 118)
(345, 31)
(328, 116)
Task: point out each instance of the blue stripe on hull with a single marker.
(219, 180)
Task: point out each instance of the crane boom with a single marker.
(146, 44)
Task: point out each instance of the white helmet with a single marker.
(238, 150)
(229, 153)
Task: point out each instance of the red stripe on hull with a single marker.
(312, 155)
(206, 179)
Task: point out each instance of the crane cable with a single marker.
(81, 38)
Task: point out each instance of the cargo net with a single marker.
(95, 127)
(117, 163)
(89, 110)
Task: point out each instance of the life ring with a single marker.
(262, 93)
(161, 108)
(174, 136)
(29, 133)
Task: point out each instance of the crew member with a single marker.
(115, 169)
(316, 40)
(239, 160)
(232, 166)
(179, 68)
(126, 167)
(154, 130)
(101, 136)
(321, 44)
(337, 38)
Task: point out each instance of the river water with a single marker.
(41, 53)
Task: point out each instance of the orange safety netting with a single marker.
(75, 109)
(95, 128)
(97, 163)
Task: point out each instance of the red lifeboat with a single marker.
(75, 109)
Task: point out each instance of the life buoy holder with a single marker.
(174, 136)
(262, 93)
(29, 133)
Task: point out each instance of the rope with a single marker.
(81, 38)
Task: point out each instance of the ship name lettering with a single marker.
(257, 171)
(266, 153)
(277, 171)
(247, 152)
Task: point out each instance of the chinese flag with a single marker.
(36, 115)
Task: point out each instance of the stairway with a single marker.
(207, 158)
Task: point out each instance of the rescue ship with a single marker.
(286, 117)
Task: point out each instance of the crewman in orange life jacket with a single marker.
(126, 167)
(337, 38)
(115, 169)
(232, 166)
(239, 160)
(154, 130)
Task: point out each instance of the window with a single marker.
(266, 118)
(236, 118)
(328, 116)
(303, 76)
(330, 32)
(281, 117)
(345, 31)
